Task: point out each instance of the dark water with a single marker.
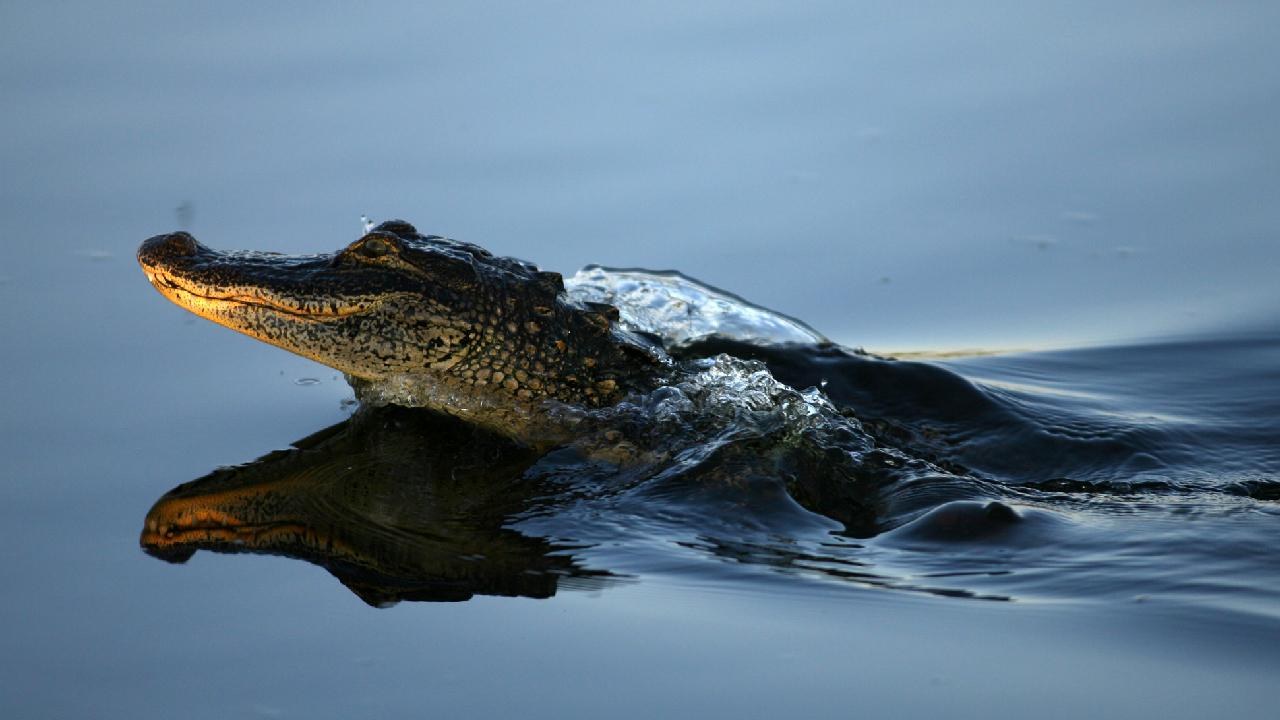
(1086, 178)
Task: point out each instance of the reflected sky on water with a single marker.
(929, 177)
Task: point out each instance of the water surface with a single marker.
(1075, 182)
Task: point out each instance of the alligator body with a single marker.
(422, 321)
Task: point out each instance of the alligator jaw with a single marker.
(212, 284)
(299, 303)
(213, 303)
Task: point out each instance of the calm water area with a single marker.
(1086, 193)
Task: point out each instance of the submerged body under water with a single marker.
(1144, 472)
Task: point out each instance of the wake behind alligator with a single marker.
(566, 425)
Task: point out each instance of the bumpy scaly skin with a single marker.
(420, 320)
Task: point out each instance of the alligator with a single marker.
(425, 321)
(540, 399)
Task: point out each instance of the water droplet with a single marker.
(306, 381)
(186, 212)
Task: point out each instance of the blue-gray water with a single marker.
(1085, 178)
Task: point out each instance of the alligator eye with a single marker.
(374, 247)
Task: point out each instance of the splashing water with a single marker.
(681, 310)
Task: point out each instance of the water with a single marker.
(1088, 187)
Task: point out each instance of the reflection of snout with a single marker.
(174, 527)
(154, 542)
(176, 554)
(162, 247)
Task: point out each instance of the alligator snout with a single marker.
(162, 247)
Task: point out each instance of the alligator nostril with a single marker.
(178, 244)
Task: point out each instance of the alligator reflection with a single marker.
(397, 504)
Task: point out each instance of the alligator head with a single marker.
(418, 320)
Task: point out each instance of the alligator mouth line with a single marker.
(208, 304)
(246, 534)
